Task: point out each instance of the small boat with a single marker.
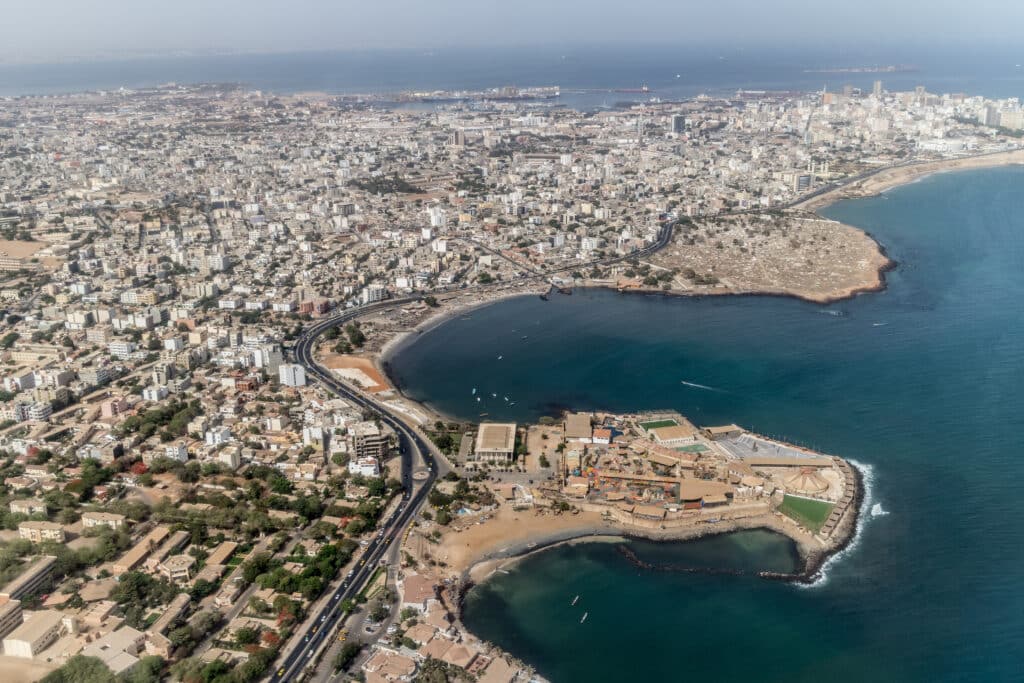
(477, 399)
(500, 357)
(484, 414)
(575, 600)
(512, 403)
(474, 391)
(525, 336)
(879, 324)
(494, 396)
(506, 398)
(585, 615)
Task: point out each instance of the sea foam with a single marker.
(867, 477)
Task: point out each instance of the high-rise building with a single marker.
(876, 90)
(678, 123)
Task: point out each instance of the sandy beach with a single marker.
(891, 177)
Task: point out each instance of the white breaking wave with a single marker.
(877, 511)
(867, 477)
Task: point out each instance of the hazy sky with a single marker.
(54, 29)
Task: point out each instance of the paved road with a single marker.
(414, 448)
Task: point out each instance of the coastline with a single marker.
(890, 177)
(814, 562)
(813, 557)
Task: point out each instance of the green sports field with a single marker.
(648, 426)
(811, 513)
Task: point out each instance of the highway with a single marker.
(413, 448)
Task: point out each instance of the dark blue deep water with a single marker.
(923, 383)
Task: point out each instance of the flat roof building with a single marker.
(577, 427)
(37, 532)
(496, 442)
(177, 567)
(109, 519)
(10, 617)
(30, 580)
(35, 635)
(131, 559)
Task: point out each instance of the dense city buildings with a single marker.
(181, 489)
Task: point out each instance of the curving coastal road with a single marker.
(414, 448)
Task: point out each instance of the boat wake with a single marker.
(877, 511)
(701, 386)
(867, 476)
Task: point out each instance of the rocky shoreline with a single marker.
(812, 559)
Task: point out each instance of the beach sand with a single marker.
(888, 178)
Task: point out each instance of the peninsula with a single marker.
(205, 465)
(654, 475)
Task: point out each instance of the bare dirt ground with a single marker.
(794, 253)
(20, 248)
(358, 369)
(19, 670)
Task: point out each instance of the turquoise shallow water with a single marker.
(922, 382)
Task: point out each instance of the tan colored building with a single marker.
(30, 580)
(577, 427)
(37, 532)
(10, 617)
(178, 567)
(30, 506)
(91, 520)
(35, 635)
(131, 559)
(496, 442)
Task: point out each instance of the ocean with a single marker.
(587, 75)
(923, 384)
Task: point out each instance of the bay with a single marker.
(921, 383)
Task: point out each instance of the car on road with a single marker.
(392, 630)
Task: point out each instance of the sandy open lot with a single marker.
(359, 370)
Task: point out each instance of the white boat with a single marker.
(575, 600)
(474, 391)
(585, 615)
(477, 399)
(500, 357)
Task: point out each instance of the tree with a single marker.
(246, 636)
(81, 669)
(347, 655)
(146, 671)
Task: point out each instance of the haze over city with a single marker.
(56, 29)
(524, 342)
